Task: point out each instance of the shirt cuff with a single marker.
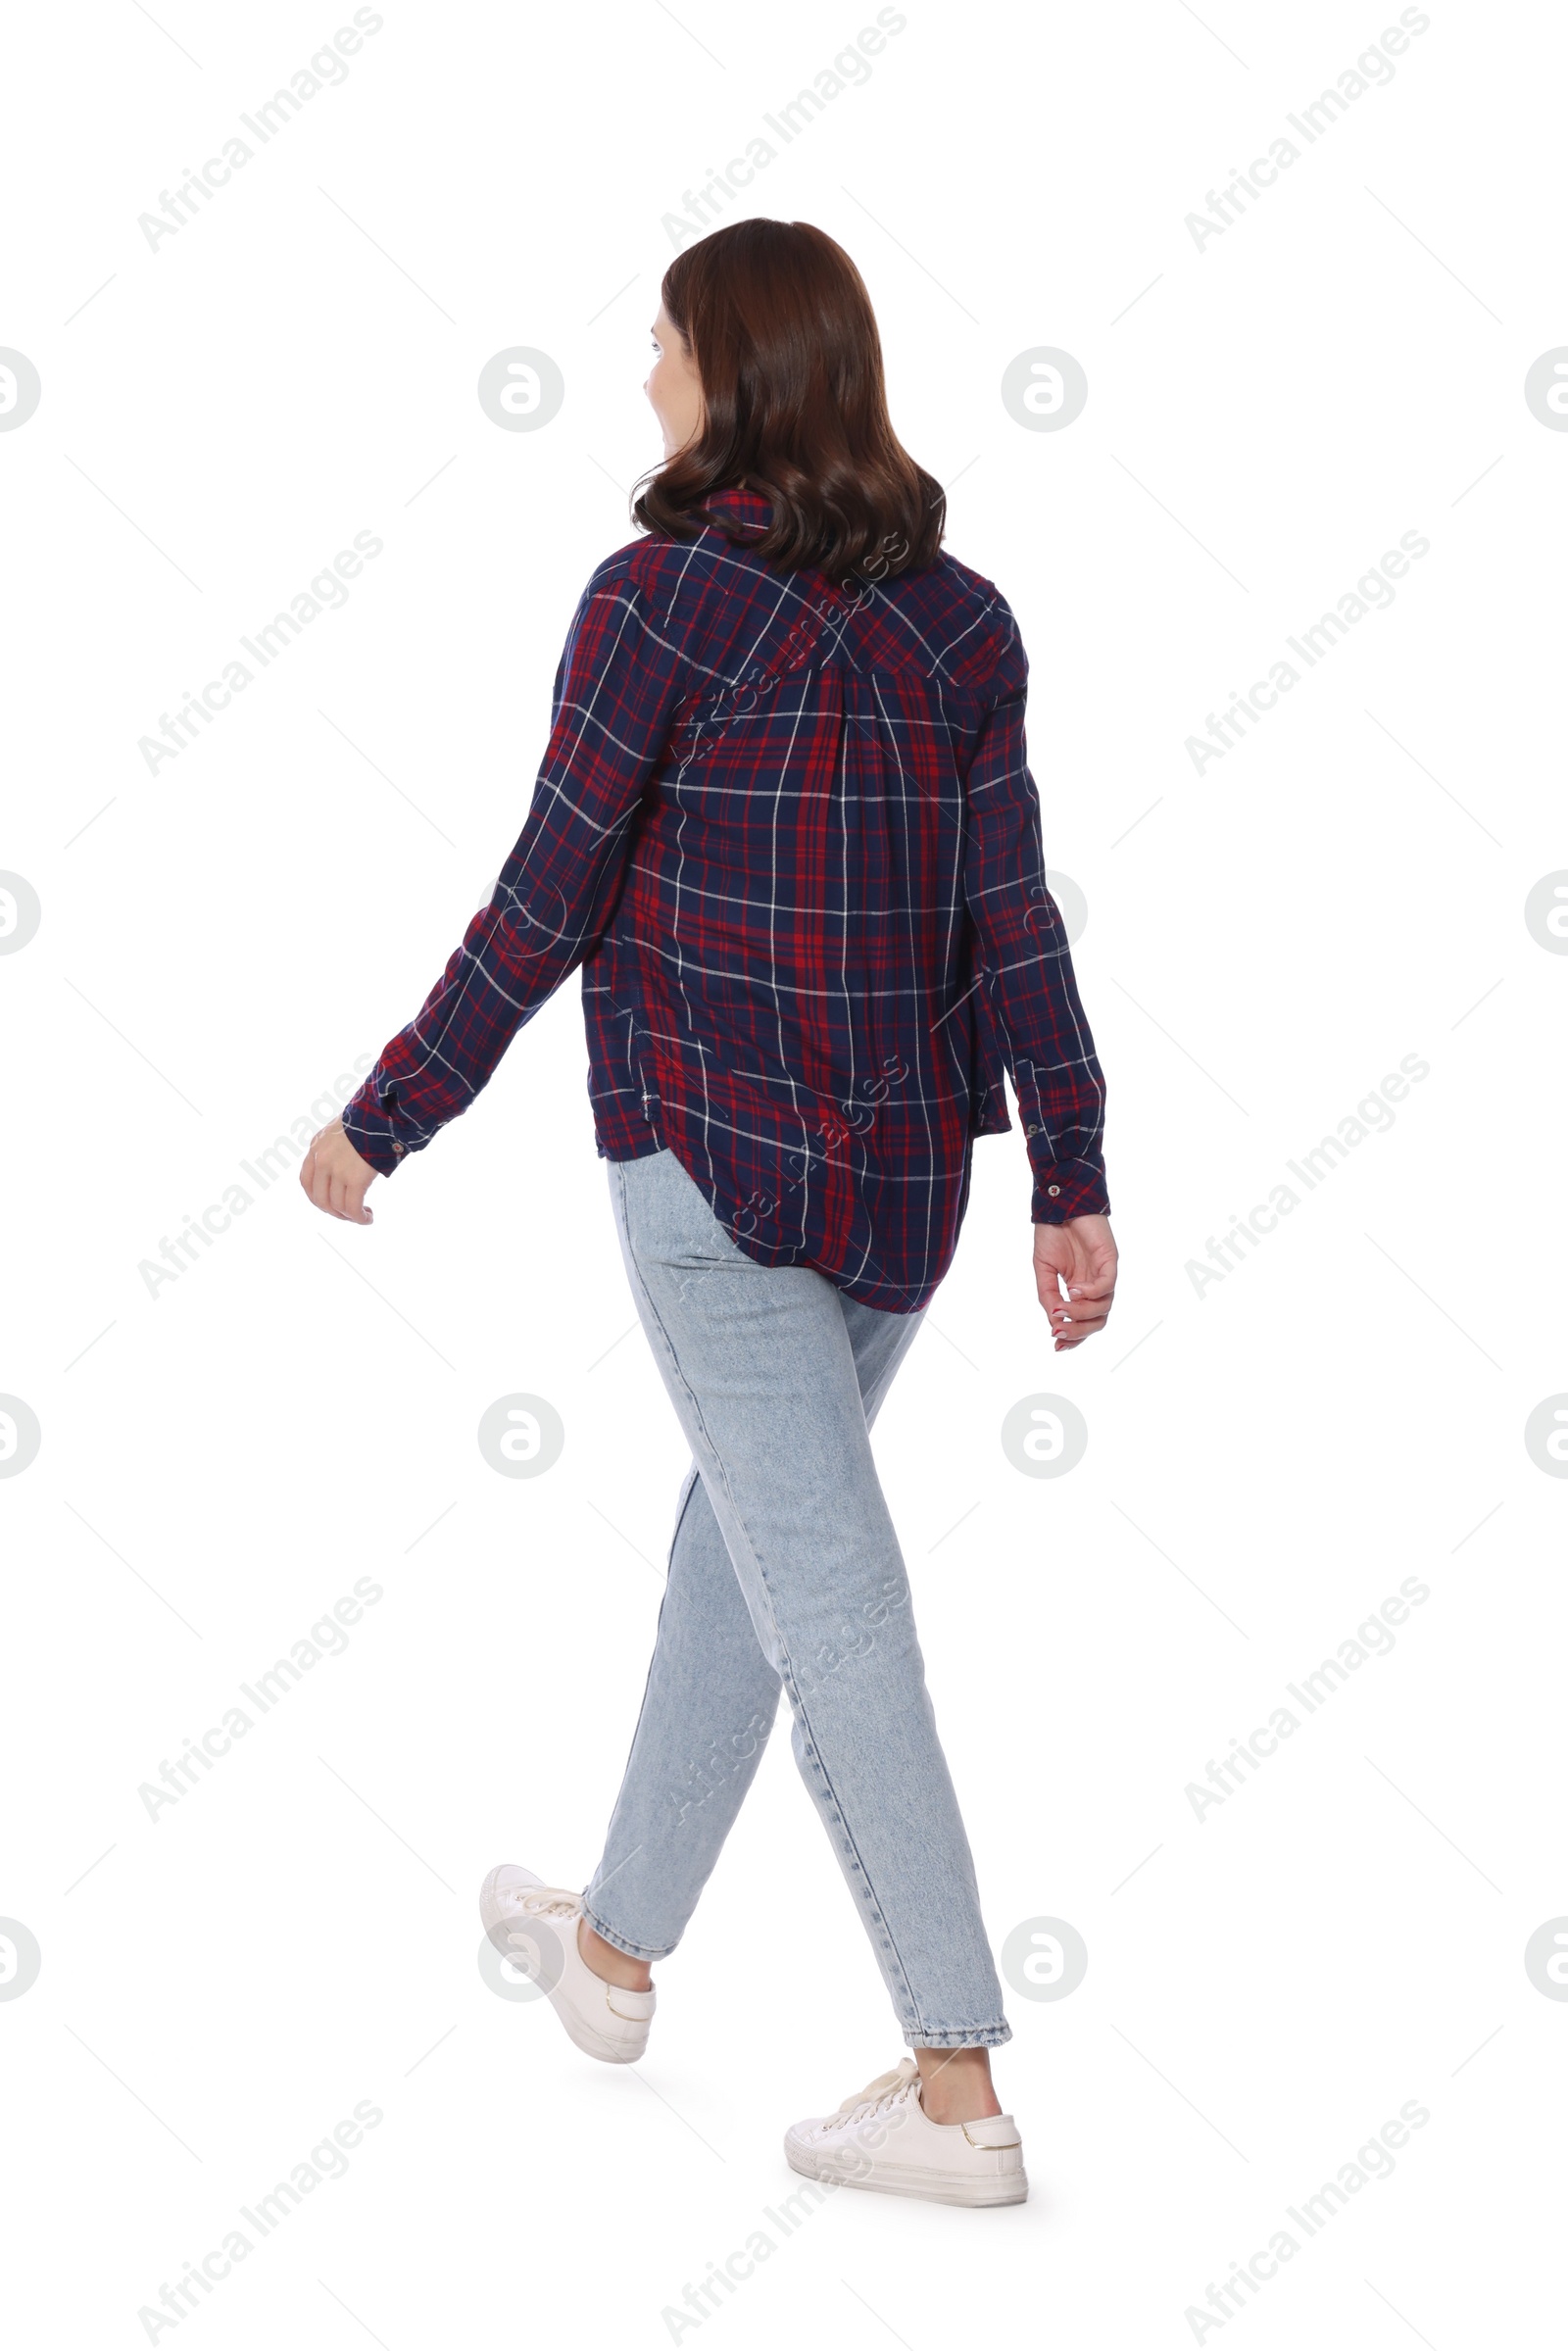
(382, 1139)
(1060, 1202)
(1062, 1189)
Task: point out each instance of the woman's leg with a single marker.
(761, 1366)
(707, 1706)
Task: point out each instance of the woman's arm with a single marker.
(615, 689)
(1028, 967)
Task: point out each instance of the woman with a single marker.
(785, 825)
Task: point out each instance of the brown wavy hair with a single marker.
(778, 321)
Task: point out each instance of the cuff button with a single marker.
(1052, 1191)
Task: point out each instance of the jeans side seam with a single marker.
(648, 1682)
(838, 1813)
(838, 1809)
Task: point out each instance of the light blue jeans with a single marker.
(785, 1569)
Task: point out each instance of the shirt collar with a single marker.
(745, 506)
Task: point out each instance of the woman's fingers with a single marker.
(1079, 1324)
(345, 1195)
(316, 1176)
(1083, 1314)
(348, 1200)
(1074, 1333)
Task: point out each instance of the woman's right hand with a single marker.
(334, 1177)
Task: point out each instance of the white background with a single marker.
(1266, 1461)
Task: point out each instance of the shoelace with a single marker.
(886, 2090)
(545, 1901)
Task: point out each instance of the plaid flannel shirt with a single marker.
(787, 829)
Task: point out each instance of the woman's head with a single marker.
(769, 375)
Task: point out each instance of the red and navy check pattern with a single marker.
(790, 835)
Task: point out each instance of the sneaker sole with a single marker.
(589, 2042)
(934, 2187)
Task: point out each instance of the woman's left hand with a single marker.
(1083, 1252)
(334, 1177)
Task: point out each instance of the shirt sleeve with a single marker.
(1026, 964)
(616, 690)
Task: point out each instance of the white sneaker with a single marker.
(535, 1927)
(882, 2138)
